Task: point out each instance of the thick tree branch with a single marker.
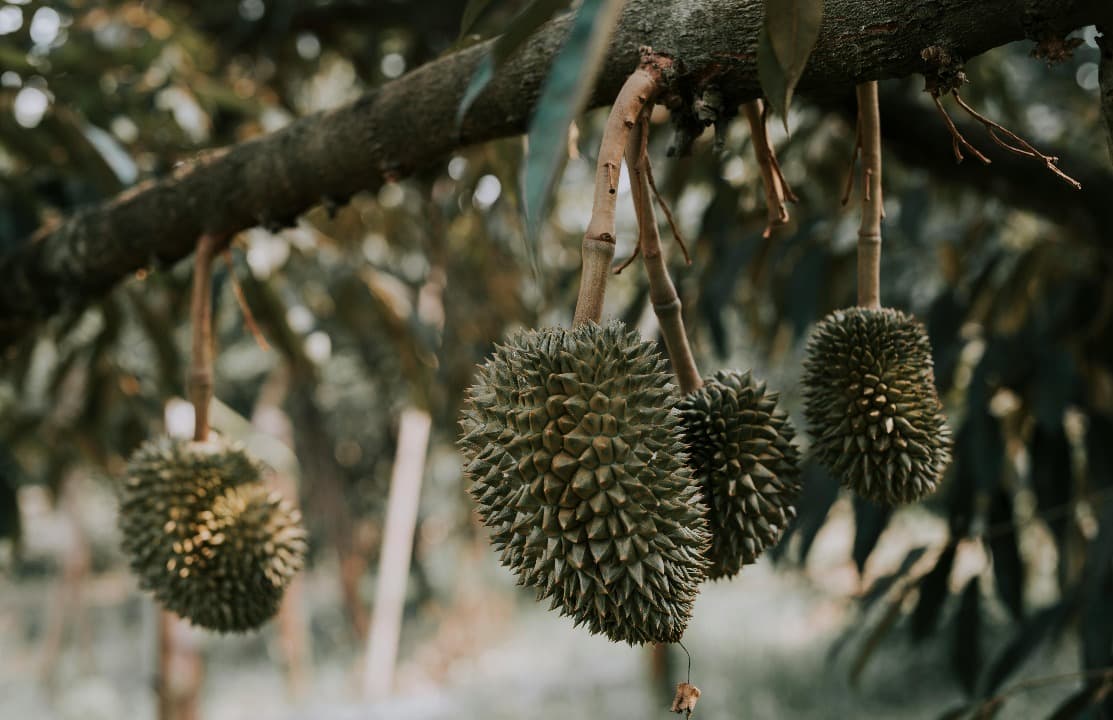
(410, 123)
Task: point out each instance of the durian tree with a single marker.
(130, 130)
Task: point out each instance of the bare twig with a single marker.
(869, 232)
(662, 292)
(676, 234)
(1022, 146)
(850, 174)
(599, 239)
(245, 308)
(957, 138)
(776, 189)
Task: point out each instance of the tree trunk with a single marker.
(410, 123)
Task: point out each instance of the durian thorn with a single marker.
(869, 232)
(201, 318)
(662, 292)
(637, 93)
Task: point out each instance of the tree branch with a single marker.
(409, 124)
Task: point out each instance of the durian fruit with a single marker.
(740, 450)
(204, 534)
(871, 404)
(576, 466)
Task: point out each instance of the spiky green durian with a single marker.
(871, 404)
(740, 450)
(577, 468)
(204, 534)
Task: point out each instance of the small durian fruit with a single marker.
(205, 535)
(740, 450)
(576, 466)
(872, 406)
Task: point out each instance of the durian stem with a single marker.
(201, 316)
(599, 239)
(869, 233)
(662, 292)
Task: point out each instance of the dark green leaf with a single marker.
(820, 490)
(771, 76)
(563, 96)
(933, 593)
(967, 654)
(472, 11)
(1099, 451)
(882, 585)
(518, 30)
(1051, 475)
(1079, 702)
(1095, 627)
(957, 713)
(9, 509)
(792, 27)
(1008, 570)
(870, 521)
(1026, 639)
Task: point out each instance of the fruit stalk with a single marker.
(201, 316)
(869, 232)
(662, 292)
(599, 239)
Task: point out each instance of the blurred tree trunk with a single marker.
(180, 669)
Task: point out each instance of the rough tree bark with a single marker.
(409, 124)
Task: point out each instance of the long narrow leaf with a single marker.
(563, 96)
(518, 30)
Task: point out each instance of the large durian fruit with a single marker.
(206, 536)
(872, 406)
(740, 450)
(577, 468)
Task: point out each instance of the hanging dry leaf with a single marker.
(685, 700)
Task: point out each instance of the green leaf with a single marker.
(1078, 703)
(472, 11)
(933, 592)
(518, 30)
(792, 28)
(772, 77)
(1008, 569)
(1028, 637)
(565, 92)
(870, 520)
(967, 649)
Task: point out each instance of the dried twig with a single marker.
(676, 234)
(777, 191)
(245, 308)
(957, 138)
(1022, 146)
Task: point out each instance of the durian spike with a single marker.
(662, 292)
(869, 232)
(599, 239)
(201, 316)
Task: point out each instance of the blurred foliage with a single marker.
(97, 96)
